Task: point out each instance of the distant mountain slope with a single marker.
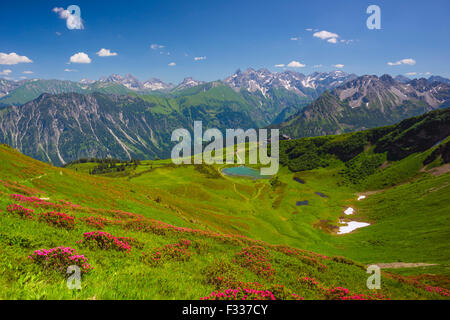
(60, 128)
(439, 79)
(365, 151)
(366, 102)
(31, 89)
(132, 83)
(6, 86)
(64, 127)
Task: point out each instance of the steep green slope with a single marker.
(386, 143)
(219, 100)
(136, 275)
(228, 217)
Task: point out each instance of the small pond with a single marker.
(243, 171)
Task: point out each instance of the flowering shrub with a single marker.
(414, 281)
(144, 226)
(282, 293)
(131, 241)
(177, 251)
(104, 241)
(98, 222)
(309, 258)
(40, 203)
(240, 294)
(255, 259)
(297, 297)
(58, 219)
(250, 291)
(60, 258)
(442, 291)
(21, 211)
(310, 282)
(222, 274)
(339, 293)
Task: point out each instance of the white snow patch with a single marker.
(351, 226)
(349, 211)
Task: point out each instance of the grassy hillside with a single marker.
(170, 222)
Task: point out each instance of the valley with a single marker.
(155, 205)
(120, 117)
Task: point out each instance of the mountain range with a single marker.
(121, 117)
(366, 102)
(261, 82)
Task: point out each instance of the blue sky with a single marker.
(227, 34)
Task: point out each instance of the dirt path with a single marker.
(396, 265)
(41, 176)
(35, 178)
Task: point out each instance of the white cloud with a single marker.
(72, 21)
(28, 72)
(309, 29)
(339, 66)
(70, 70)
(408, 61)
(5, 72)
(296, 64)
(317, 66)
(418, 73)
(58, 33)
(279, 65)
(325, 35)
(295, 38)
(13, 58)
(332, 40)
(80, 57)
(199, 58)
(106, 53)
(172, 64)
(155, 46)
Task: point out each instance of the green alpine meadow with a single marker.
(152, 230)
